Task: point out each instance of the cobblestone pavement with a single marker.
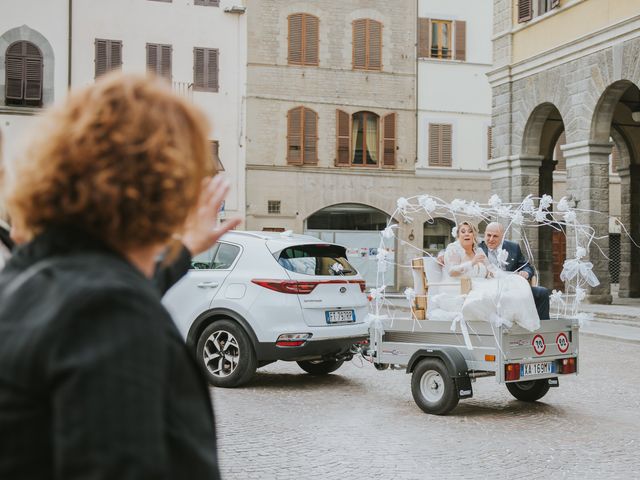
(359, 423)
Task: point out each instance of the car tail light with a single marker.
(287, 286)
(567, 365)
(512, 371)
(300, 288)
(292, 339)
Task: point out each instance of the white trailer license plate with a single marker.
(340, 316)
(542, 368)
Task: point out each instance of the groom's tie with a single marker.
(493, 259)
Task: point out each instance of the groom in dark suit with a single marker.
(515, 262)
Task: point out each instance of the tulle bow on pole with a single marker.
(576, 267)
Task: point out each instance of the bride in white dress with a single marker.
(500, 297)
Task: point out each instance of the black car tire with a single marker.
(320, 367)
(237, 364)
(433, 388)
(529, 391)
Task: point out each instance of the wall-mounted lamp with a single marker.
(411, 236)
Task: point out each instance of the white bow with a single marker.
(574, 267)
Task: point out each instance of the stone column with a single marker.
(544, 257)
(588, 185)
(629, 253)
(525, 180)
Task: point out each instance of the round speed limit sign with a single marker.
(563, 342)
(538, 344)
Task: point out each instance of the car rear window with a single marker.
(318, 259)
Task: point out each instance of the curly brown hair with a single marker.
(122, 159)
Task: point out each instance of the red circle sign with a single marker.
(562, 342)
(538, 344)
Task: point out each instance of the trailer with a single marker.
(443, 363)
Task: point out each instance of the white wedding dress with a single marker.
(503, 298)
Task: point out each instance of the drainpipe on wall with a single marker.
(70, 38)
(417, 85)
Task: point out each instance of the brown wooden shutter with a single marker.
(33, 78)
(374, 41)
(460, 30)
(198, 67)
(525, 10)
(311, 32)
(446, 143)
(115, 62)
(360, 43)
(434, 145)
(212, 69)
(294, 136)
(100, 58)
(389, 140)
(440, 145)
(343, 138)
(165, 61)
(295, 39)
(15, 77)
(375, 45)
(489, 143)
(423, 38)
(310, 137)
(152, 58)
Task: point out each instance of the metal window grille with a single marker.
(273, 206)
(614, 257)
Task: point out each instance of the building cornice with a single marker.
(586, 45)
(297, 100)
(420, 172)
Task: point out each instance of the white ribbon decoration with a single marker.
(459, 319)
(575, 267)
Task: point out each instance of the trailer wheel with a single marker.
(433, 388)
(529, 391)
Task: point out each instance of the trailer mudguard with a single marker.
(455, 363)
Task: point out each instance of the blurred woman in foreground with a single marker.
(95, 380)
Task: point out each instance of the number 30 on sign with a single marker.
(538, 344)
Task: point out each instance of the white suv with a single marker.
(258, 297)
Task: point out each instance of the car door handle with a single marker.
(208, 285)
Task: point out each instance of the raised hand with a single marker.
(202, 229)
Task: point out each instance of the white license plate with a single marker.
(340, 316)
(541, 368)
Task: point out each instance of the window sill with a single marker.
(206, 90)
(15, 110)
(355, 69)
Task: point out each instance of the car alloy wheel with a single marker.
(221, 353)
(226, 354)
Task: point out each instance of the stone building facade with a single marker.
(330, 196)
(568, 77)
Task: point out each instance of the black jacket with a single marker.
(95, 380)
